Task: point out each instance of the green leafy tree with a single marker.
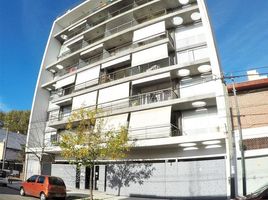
(16, 120)
(85, 141)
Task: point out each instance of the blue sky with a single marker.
(240, 27)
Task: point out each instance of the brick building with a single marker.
(252, 98)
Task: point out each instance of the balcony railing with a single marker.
(105, 3)
(136, 100)
(110, 15)
(112, 52)
(117, 29)
(109, 77)
(145, 132)
(152, 132)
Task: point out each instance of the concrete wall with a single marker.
(203, 179)
(256, 173)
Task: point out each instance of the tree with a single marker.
(16, 120)
(121, 175)
(85, 141)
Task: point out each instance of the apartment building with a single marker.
(252, 101)
(152, 65)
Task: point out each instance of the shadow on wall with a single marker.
(121, 175)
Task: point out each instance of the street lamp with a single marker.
(5, 145)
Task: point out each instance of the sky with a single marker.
(240, 29)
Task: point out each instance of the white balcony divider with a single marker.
(153, 123)
(191, 55)
(87, 78)
(190, 41)
(189, 36)
(52, 106)
(197, 86)
(63, 50)
(66, 81)
(149, 55)
(200, 122)
(114, 93)
(77, 25)
(115, 61)
(151, 78)
(84, 100)
(71, 42)
(113, 122)
(92, 49)
(149, 32)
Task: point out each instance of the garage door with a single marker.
(66, 172)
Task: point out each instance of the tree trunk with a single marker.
(40, 167)
(91, 181)
(119, 190)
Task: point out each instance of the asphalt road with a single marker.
(11, 194)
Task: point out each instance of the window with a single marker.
(56, 181)
(41, 179)
(54, 139)
(32, 179)
(65, 111)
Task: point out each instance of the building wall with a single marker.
(253, 108)
(202, 179)
(148, 41)
(254, 120)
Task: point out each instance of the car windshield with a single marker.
(260, 190)
(56, 181)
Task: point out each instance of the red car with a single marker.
(44, 187)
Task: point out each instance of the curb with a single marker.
(15, 188)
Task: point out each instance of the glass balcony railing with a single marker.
(119, 74)
(136, 100)
(113, 52)
(110, 15)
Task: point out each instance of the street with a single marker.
(12, 194)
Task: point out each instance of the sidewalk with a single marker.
(103, 196)
(85, 194)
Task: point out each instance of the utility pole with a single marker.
(241, 145)
(4, 150)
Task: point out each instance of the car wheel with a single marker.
(22, 192)
(43, 196)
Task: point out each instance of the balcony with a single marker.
(116, 75)
(113, 52)
(152, 132)
(138, 19)
(89, 25)
(136, 100)
(112, 31)
(110, 42)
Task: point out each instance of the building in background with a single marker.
(14, 152)
(153, 66)
(252, 98)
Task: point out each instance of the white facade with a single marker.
(152, 65)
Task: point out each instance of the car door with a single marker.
(39, 186)
(29, 185)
